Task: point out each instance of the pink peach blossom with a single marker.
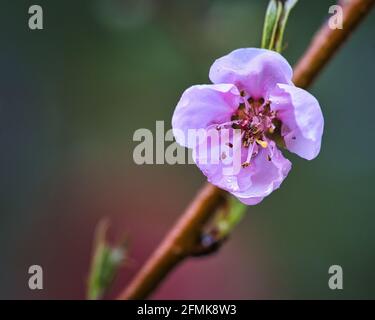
(252, 91)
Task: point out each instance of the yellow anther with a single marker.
(262, 143)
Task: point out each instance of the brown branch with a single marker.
(327, 41)
(178, 244)
(184, 236)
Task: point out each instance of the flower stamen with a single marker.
(227, 124)
(262, 143)
(249, 156)
(256, 119)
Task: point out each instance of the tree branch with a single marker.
(182, 240)
(327, 41)
(178, 244)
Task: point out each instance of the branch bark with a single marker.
(181, 242)
(326, 42)
(184, 236)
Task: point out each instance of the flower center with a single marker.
(256, 121)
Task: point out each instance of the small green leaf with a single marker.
(288, 6)
(228, 218)
(106, 262)
(271, 20)
(275, 22)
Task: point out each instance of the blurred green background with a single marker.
(71, 97)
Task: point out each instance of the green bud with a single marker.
(275, 22)
(106, 262)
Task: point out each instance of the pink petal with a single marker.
(263, 176)
(256, 71)
(201, 106)
(251, 184)
(250, 201)
(302, 120)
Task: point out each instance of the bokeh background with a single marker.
(71, 97)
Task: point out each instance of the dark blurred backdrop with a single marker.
(71, 97)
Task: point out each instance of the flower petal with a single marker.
(302, 120)
(250, 201)
(201, 106)
(254, 70)
(263, 176)
(250, 184)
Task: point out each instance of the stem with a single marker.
(178, 244)
(183, 238)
